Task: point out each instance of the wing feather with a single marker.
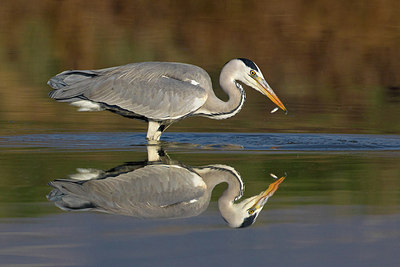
(156, 90)
(153, 186)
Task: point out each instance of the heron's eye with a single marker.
(252, 73)
(250, 211)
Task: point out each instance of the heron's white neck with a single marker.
(216, 174)
(214, 107)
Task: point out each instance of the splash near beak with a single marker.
(263, 197)
(265, 89)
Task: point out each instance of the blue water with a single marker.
(231, 141)
(287, 238)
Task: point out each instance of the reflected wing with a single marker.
(139, 192)
(156, 90)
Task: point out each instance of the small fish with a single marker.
(273, 176)
(274, 110)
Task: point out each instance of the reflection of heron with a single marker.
(160, 92)
(159, 190)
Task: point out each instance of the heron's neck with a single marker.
(215, 108)
(217, 174)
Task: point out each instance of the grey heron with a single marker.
(159, 190)
(160, 92)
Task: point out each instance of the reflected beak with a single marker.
(265, 89)
(263, 197)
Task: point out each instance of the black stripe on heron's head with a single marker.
(248, 221)
(249, 63)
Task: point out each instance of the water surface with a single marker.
(230, 141)
(340, 196)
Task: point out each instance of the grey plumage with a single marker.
(136, 89)
(158, 190)
(159, 92)
(150, 191)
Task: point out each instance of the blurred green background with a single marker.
(334, 64)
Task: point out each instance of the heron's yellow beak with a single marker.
(263, 197)
(265, 89)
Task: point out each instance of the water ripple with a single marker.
(219, 141)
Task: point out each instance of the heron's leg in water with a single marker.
(155, 153)
(153, 132)
(152, 153)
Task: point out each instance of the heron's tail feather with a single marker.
(67, 195)
(70, 77)
(71, 84)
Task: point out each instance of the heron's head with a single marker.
(248, 72)
(245, 213)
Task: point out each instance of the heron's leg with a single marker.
(152, 153)
(155, 153)
(153, 132)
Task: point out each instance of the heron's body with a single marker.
(152, 191)
(159, 92)
(146, 191)
(159, 191)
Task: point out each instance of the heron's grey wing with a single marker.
(158, 185)
(145, 192)
(159, 99)
(156, 90)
